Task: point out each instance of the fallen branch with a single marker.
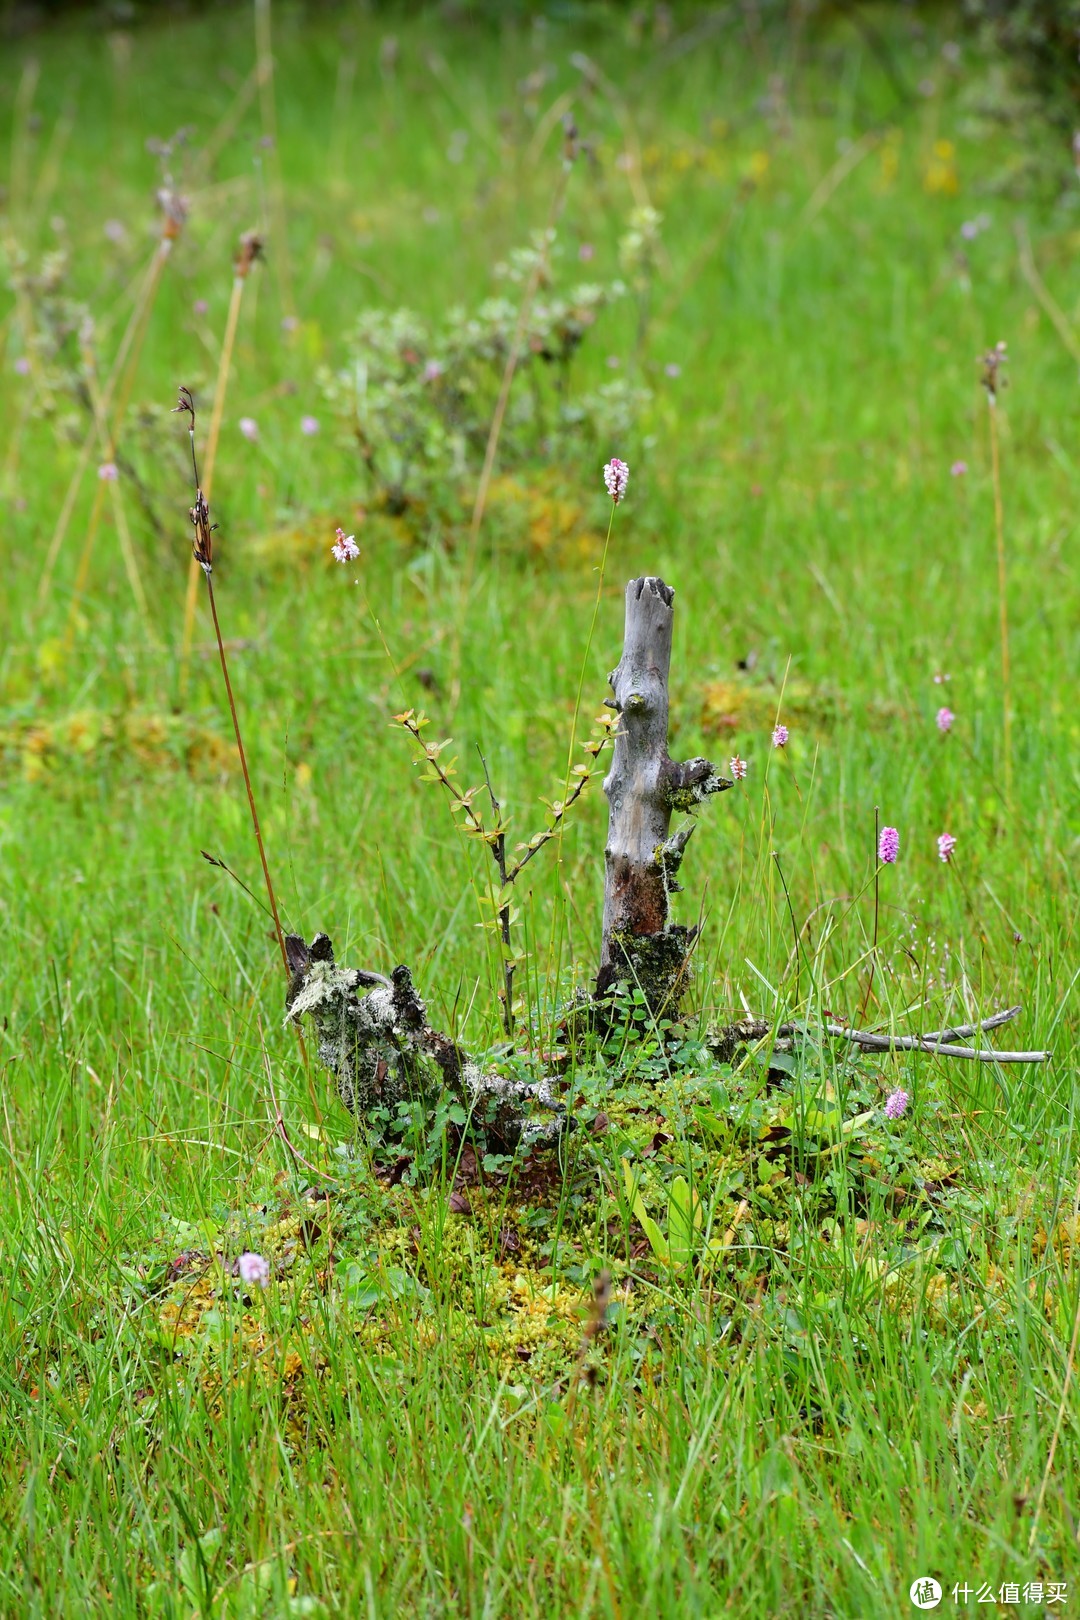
(940, 1043)
(383, 1053)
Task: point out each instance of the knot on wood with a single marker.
(690, 783)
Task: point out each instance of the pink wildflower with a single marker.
(780, 736)
(945, 845)
(888, 845)
(249, 428)
(673, 369)
(200, 306)
(108, 472)
(896, 1104)
(940, 679)
(22, 366)
(252, 1268)
(738, 768)
(616, 474)
(586, 252)
(958, 469)
(433, 371)
(289, 323)
(345, 549)
(944, 718)
(309, 426)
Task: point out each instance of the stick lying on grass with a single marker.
(941, 1042)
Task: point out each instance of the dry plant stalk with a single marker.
(249, 250)
(265, 73)
(992, 362)
(495, 836)
(558, 200)
(121, 379)
(203, 551)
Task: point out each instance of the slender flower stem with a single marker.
(1003, 610)
(588, 650)
(873, 948)
(216, 412)
(577, 714)
(247, 777)
(204, 556)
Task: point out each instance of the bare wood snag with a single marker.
(644, 788)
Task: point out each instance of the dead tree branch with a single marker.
(644, 786)
(940, 1043)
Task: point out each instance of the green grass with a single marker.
(866, 1387)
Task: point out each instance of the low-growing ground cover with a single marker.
(747, 1341)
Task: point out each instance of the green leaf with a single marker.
(657, 1241)
(683, 1217)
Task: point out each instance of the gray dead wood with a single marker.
(382, 1052)
(644, 787)
(724, 1043)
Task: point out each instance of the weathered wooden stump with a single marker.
(641, 946)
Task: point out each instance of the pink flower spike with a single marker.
(249, 428)
(888, 845)
(944, 718)
(108, 472)
(738, 768)
(945, 845)
(896, 1104)
(958, 469)
(309, 426)
(616, 474)
(252, 1268)
(780, 736)
(345, 548)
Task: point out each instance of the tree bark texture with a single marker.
(643, 788)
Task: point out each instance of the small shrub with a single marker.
(417, 398)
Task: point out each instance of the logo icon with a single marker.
(925, 1592)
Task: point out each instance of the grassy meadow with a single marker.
(866, 1370)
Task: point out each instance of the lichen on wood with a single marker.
(374, 1038)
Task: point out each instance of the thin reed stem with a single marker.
(265, 72)
(247, 775)
(539, 268)
(1070, 1362)
(588, 649)
(577, 712)
(1003, 609)
(203, 551)
(877, 910)
(216, 413)
(105, 440)
(122, 375)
